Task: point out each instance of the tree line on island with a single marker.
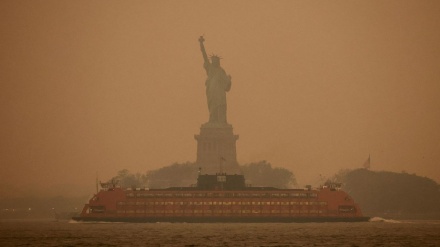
(392, 195)
(185, 174)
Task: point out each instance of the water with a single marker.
(378, 232)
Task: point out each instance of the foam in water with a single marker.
(379, 219)
(92, 222)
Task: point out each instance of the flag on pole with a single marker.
(367, 163)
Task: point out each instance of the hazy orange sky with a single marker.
(317, 86)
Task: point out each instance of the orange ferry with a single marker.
(221, 198)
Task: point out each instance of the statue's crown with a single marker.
(214, 56)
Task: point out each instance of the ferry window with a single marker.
(303, 194)
(346, 209)
(323, 203)
(275, 195)
(97, 209)
(140, 203)
(226, 203)
(294, 203)
(294, 194)
(304, 203)
(283, 195)
(313, 195)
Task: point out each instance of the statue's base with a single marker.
(216, 149)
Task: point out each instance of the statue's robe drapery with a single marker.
(217, 84)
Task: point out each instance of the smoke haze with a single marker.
(101, 86)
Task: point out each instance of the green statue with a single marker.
(217, 84)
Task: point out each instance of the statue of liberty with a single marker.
(217, 84)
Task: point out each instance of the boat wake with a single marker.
(92, 222)
(379, 219)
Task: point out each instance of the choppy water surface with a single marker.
(64, 233)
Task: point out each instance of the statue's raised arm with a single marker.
(202, 48)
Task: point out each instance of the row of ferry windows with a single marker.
(247, 211)
(223, 195)
(222, 203)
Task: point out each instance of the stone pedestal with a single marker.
(216, 150)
